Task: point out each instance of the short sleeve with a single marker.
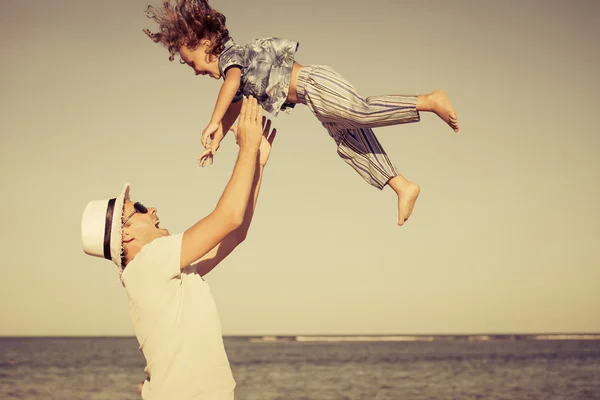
(233, 56)
(157, 262)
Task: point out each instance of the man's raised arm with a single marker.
(223, 249)
(230, 211)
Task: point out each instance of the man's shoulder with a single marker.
(159, 249)
(164, 243)
(162, 253)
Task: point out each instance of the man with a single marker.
(172, 310)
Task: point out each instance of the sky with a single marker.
(504, 237)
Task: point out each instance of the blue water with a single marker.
(110, 368)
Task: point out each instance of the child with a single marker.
(266, 69)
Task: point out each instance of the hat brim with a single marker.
(116, 235)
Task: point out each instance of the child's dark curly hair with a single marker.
(186, 23)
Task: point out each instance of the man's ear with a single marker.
(127, 236)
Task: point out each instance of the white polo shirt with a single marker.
(177, 326)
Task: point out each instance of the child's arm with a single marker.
(230, 116)
(226, 95)
(228, 119)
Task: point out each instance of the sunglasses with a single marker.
(137, 208)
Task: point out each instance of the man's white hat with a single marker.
(101, 227)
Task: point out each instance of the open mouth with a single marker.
(157, 222)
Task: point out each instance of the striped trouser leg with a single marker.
(360, 149)
(349, 118)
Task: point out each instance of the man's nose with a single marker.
(152, 210)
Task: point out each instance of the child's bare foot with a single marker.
(406, 202)
(407, 196)
(439, 103)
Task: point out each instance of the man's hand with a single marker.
(266, 142)
(249, 130)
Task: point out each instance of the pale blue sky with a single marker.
(504, 237)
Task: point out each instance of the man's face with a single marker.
(143, 227)
(201, 62)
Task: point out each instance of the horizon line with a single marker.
(289, 335)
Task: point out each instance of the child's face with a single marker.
(201, 62)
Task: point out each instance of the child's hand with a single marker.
(209, 132)
(208, 154)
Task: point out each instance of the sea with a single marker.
(336, 368)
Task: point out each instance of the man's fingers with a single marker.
(259, 113)
(243, 111)
(252, 109)
(248, 110)
(250, 120)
